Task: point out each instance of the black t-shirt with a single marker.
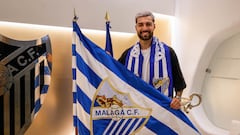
(178, 79)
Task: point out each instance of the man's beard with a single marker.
(145, 37)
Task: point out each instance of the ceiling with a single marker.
(91, 12)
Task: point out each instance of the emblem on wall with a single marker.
(25, 76)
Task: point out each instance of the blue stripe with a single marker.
(82, 130)
(133, 64)
(160, 69)
(158, 127)
(111, 127)
(97, 129)
(140, 65)
(73, 49)
(36, 81)
(75, 97)
(37, 106)
(46, 70)
(152, 61)
(44, 90)
(74, 75)
(160, 73)
(83, 99)
(108, 47)
(75, 119)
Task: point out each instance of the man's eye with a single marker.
(148, 24)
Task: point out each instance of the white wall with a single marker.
(202, 25)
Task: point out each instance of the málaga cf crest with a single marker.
(116, 112)
(24, 80)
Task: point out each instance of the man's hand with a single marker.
(175, 103)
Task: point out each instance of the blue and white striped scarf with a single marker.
(160, 65)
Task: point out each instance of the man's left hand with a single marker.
(175, 103)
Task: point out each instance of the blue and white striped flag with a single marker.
(109, 99)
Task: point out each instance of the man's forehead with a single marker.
(144, 19)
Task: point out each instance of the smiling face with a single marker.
(145, 27)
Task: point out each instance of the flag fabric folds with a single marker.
(109, 99)
(108, 47)
(41, 84)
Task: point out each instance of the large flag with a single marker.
(108, 47)
(109, 99)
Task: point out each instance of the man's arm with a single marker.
(178, 81)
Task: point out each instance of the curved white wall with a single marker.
(201, 27)
(222, 84)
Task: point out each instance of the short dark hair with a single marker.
(144, 14)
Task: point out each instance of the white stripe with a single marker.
(37, 89)
(74, 37)
(88, 89)
(74, 68)
(42, 97)
(47, 79)
(74, 62)
(129, 65)
(91, 63)
(37, 93)
(83, 116)
(159, 112)
(156, 63)
(136, 66)
(74, 86)
(74, 109)
(164, 63)
(156, 72)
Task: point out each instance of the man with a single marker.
(153, 61)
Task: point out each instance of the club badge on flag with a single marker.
(25, 78)
(109, 99)
(118, 110)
